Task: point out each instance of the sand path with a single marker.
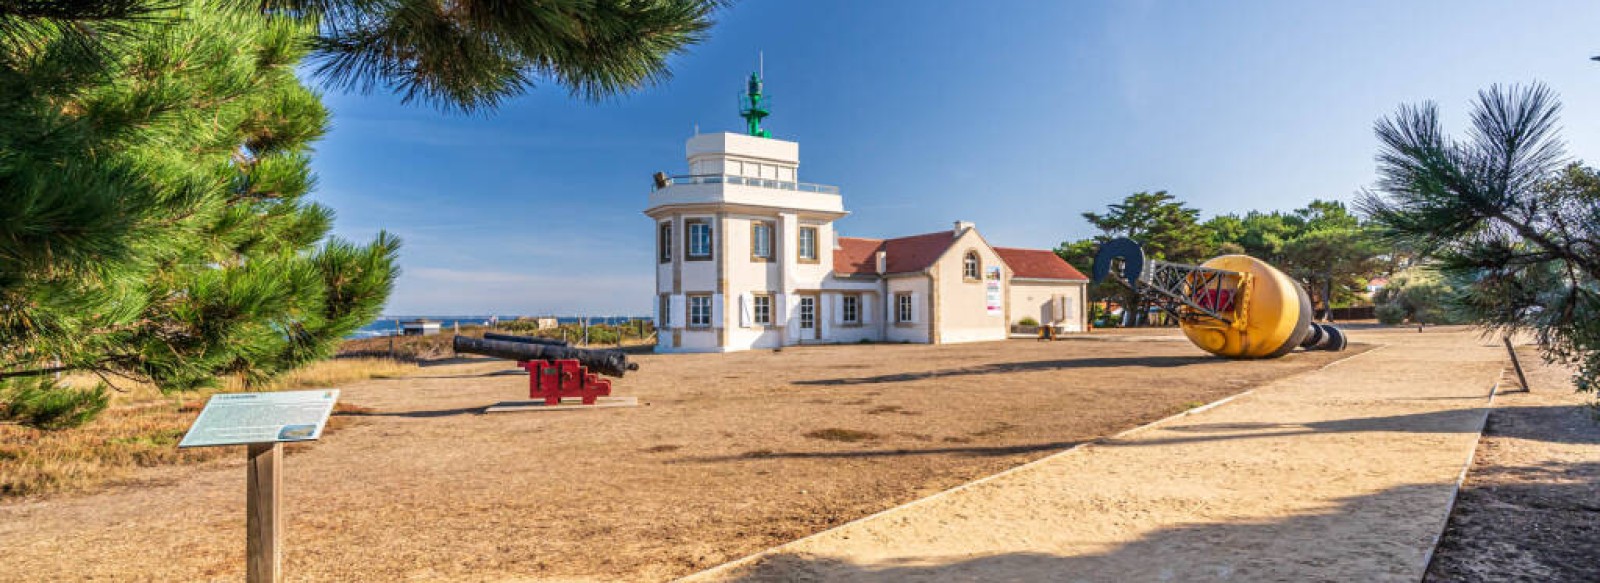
(1341, 474)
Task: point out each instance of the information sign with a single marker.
(241, 418)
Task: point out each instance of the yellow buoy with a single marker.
(1271, 313)
(1235, 306)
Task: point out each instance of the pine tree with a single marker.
(1504, 214)
(466, 55)
(154, 221)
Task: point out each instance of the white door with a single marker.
(808, 317)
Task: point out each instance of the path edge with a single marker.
(1461, 478)
(724, 568)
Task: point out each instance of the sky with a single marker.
(1018, 116)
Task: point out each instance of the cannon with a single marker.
(554, 370)
(1235, 306)
(607, 362)
(524, 339)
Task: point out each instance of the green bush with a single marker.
(1027, 321)
(1419, 295)
(1390, 314)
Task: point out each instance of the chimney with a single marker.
(962, 226)
(883, 262)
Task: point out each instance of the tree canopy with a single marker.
(1502, 212)
(467, 55)
(154, 224)
(1323, 245)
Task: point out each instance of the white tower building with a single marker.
(747, 257)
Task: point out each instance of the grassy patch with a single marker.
(664, 448)
(142, 429)
(845, 435)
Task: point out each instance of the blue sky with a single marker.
(1018, 116)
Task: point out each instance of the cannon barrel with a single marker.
(524, 339)
(606, 362)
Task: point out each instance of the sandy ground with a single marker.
(1342, 474)
(1530, 509)
(733, 453)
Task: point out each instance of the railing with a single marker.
(750, 181)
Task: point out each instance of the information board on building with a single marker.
(993, 299)
(241, 418)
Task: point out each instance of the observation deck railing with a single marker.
(751, 181)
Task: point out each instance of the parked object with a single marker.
(1235, 306)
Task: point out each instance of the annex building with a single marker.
(747, 257)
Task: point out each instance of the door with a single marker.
(808, 318)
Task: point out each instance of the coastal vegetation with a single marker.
(155, 226)
(1504, 214)
(1327, 248)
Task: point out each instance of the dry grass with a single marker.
(142, 429)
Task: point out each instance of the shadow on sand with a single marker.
(1010, 367)
(1377, 536)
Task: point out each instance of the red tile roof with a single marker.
(855, 255)
(1038, 264)
(858, 256)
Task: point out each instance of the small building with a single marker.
(419, 327)
(542, 323)
(747, 257)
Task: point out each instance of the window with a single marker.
(808, 244)
(850, 309)
(760, 240)
(665, 242)
(666, 311)
(902, 307)
(761, 309)
(699, 239)
(970, 266)
(700, 311)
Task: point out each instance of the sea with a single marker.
(389, 325)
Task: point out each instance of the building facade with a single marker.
(747, 257)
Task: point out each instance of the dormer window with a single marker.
(970, 266)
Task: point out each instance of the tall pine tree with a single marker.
(154, 221)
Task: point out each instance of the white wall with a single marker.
(1034, 299)
(963, 305)
(918, 330)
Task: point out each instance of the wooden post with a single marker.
(264, 524)
(264, 514)
(1516, 363)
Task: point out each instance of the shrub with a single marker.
(1027, 321)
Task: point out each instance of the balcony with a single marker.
(749, 181)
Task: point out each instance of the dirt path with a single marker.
(734, 453)
(1342, 474)
(1530, 509)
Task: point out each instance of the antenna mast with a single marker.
(753, 105)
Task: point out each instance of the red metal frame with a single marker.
(553, 379)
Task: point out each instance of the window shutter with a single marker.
(916, 307)
(744, 310)
(835, 309)
(780, 310)
(716, 310)
(680, 311)
(866, 309)
(657, 310)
